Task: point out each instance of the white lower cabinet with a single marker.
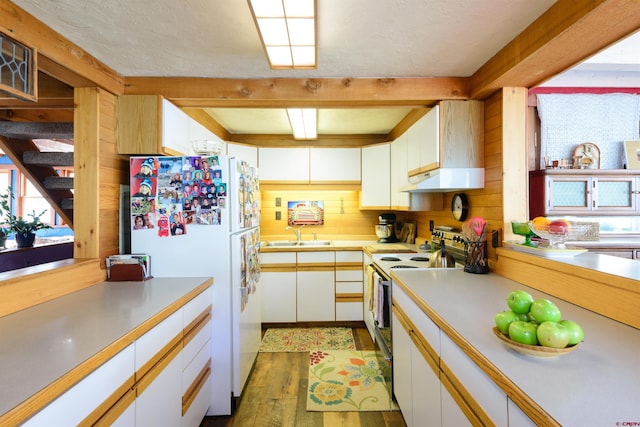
(402, 372)
(349, 286)
(452, 415)
(426, 391)
(278, 283)
(161, 379)
(316, 295)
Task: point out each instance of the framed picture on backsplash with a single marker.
(309, 212)
(632, 154)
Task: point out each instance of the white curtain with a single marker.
(606, 120)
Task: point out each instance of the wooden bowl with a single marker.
(533, 350)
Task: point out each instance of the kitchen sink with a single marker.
(279, 243)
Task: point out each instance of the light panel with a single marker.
(304, 122)
(287, 31)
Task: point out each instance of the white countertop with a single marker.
(40, 344)
(598, 384)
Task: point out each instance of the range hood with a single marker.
(445, 180)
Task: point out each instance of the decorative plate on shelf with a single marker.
(587, 156)
(533, 350)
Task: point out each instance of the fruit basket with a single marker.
(533, 350)
(558, 232)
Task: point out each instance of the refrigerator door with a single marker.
(245, 200)
(246, 304)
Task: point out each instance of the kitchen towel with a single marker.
(370, 274)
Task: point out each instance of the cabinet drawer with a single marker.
(348, 275)
(349, 288)
(316, 257)
(348, 256)
(79, 402)
(197, 365)
(278, 258)
(197, 306)
(491, 399)
(349, 311)
(195, 341)
(149, 346)
(425, 326)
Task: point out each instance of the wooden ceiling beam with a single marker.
(194, 92)
(565, 35)
(286, 140)
(57, 56)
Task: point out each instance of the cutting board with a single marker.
(408, 233)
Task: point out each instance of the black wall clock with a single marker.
(459, 206)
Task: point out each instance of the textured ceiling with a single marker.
(357, 38)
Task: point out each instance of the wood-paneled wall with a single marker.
(342, 220)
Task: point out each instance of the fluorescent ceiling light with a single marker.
(287, 31)
(304, 122)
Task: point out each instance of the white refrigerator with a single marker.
(199, 216)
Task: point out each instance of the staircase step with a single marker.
(67, 204)
(36, 130)
(52, 158)
(58, 183)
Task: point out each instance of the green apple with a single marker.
(552, 334)
(503, 319)
(544, 310)
(576, 333)
(519, 301)
(523, 332)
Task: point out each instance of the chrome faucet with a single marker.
(297, 232)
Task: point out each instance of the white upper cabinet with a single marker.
(376, 177)
(399, 177)
(451, 135)
(284, 164)
(334, 164)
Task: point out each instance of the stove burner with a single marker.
(403, 266)
(389, 258)
(419, 259)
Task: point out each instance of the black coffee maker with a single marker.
(385, 229)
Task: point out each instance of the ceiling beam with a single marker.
(57, 56)
(195, 92)
(565, 35)
(286, 140)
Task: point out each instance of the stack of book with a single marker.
(134, 267)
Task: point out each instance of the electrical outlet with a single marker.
(278, 215)
(278, 202)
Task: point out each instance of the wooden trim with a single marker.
(278, 268)
(193, 390)
(166, 358)
(196, 92)
(150, 365)
(477, 412)
(319, 266)
(351, 297)
(424, 169)
(349, 266)
(120, 400)
(615, 297)
(191, 332)
(116, 410)
(428, 352)
(20, 289)
(468, 411)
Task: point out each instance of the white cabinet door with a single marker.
(79, 401)
(488, 395)
(402, 385)
(159, 401)
(334, 164)
(284, 164)
(316, 296)
(376, 177)
(425, 390)
(452, 415)
(424, 143)
(278, 296)
(399, 173)
(175, 129)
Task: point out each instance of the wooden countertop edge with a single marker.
(35, 403)
(521, 399)
(325, 248)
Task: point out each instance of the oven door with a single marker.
(382, 329)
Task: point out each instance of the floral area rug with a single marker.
(348, 381)
(307, 339)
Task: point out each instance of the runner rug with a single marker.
(306, 339)
(348, 381)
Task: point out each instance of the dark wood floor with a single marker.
(276, 396)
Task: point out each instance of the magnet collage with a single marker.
(170, 193)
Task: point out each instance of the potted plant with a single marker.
(24, 230)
